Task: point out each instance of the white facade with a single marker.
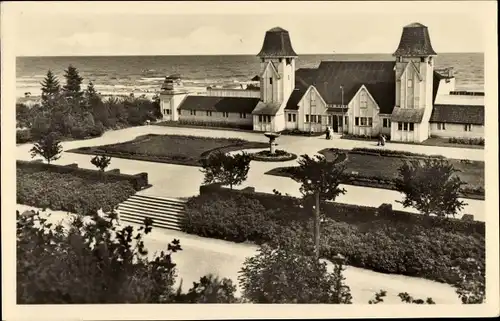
(448, 130)
(221, 92)
(169, 104)
(214, 117)
(363, 114)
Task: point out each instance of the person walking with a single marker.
(327, 132)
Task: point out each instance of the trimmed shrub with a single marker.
(390, 153)
(466, 141)
(380, 239)
(67, 192)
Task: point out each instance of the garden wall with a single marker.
(138, 181)
(350, 213)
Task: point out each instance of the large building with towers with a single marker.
(406, 98)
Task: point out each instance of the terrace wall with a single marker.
(138, 181)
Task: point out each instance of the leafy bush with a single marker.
(23, 136)
(420, 246)
(68, 192)
(297, 132)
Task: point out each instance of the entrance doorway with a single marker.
(335, 124)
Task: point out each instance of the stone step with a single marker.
(159, 224)
(149, 207)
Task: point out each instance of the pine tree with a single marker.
(73, 87)
(50, 89)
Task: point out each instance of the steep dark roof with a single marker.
(377, 76)
(220, 104)
(277, 43)
(415, 41)
(304, 78)
(408, 115)
(458, 114)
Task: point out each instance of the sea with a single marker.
(122, 75)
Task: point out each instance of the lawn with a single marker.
(378, 171)
(174, 149)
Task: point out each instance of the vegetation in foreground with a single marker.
(101, 262)
(174, 149)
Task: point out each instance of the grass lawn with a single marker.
(173, 149)
(386, 168)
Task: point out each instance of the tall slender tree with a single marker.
(50, 89)
(320, 179)
(73, 87)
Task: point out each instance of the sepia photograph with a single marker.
(237, 154)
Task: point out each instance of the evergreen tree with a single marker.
(50, 89)
(49, 147)
(73, 87)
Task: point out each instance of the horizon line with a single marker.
(218, 55)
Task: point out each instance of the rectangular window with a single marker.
(386, 123)
(167, 111)
(319, 119)
(270, 81)
(363, 121)
(370, 121)
(405, 126)
(289, 117)
(346, 121)
(209, 113)
(356, 121)
(468, 127)
(260, 118)
(313, 96)
(410, 83)
(313, 118)
(268, 119)
(441, 126)
(411, 127)
(400, 126)
(307, 118)
(243, 115)
(294, 118)
(193, 112)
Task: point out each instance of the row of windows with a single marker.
(207, 113)
(406, 126)
(313, 119)
(442, 126)
(292, 118)
(363, 121)
(264, 119)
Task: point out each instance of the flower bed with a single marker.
(173, 149)
(381, 243)
(278, 156)
(68, 192)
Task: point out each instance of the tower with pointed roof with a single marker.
(277, 70)
(414, 70)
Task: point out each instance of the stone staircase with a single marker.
(165, 212)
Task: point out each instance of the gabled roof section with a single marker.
(273, 68)
(363, 87)
(220, 104)
(304, 78)
(377, 76)
(458, 114)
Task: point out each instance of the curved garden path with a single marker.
(184, 181)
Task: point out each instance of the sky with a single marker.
(61, 29)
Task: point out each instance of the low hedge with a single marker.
(67, 192)
(296, 132)
(138, 181)
(390, 153)
(466, 141)
(377, 243)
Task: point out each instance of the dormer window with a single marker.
(410, 83)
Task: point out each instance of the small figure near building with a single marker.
(328, 133)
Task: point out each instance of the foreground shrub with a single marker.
(66, 192)
(466, 141)
(23, 136)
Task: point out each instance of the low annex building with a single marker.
(406, 98)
